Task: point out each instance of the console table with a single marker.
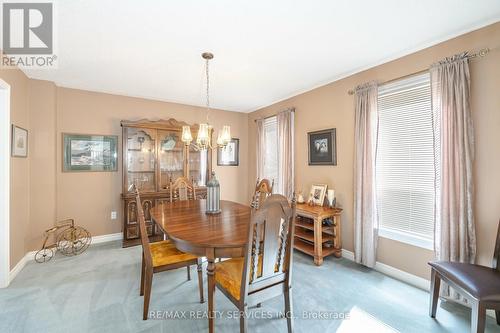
(313, 236)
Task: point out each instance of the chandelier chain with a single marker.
(208, 87)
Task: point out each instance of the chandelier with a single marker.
(203, 139)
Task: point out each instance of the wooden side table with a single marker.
(315, 238)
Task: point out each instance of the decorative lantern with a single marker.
(213, 195)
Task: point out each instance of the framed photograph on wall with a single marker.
(230, 154)
(86, 152)
(322, 147)
(19, 142)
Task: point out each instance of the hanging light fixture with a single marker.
(203, 141)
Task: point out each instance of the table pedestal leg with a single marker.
(211, 290)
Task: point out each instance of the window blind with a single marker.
(405, 163)
(271, 167)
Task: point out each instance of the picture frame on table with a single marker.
(19, 142)
(317, 194)
(230, 154)
(89, 152)
(322, 147)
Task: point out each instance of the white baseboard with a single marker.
(107, 238)
(20, 265)
(400, 275)
(31, 255)
(393, 272)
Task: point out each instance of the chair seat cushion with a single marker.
(165, 253)
(480, 281)
(228, 275)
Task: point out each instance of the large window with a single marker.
(405, 166)
(271, 164)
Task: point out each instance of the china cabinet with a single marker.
(154, 157)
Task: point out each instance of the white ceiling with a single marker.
(265, 51)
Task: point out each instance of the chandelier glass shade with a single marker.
(203, 138)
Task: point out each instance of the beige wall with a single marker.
(20, 175)
(89, 197)
(41, 193)
(42, 145)
(331, 106)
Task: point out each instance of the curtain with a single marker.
(455, 238)
(286, 152)
(261, 148)
(365, 204)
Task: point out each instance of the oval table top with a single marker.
(187, 222)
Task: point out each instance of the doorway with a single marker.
(4, 183)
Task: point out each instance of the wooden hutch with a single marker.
(153, 157)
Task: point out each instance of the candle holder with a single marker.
(331, 198)
(213, 196)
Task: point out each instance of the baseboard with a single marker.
(393, 272)
(400, 275)
(107, 238)
(20, 265)
(31, 255)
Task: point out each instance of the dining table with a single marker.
(222, 235)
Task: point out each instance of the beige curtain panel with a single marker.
(286, 143)
(365, 204)
(455, 236)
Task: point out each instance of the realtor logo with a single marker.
(28, 35)
(27, 28)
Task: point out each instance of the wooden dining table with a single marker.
(222, 235)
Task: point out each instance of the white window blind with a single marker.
(271, 164)
(405, 164)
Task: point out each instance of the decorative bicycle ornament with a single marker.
(71, 241)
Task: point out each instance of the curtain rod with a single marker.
(274, 115)
(481, 53)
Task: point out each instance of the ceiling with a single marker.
(265, 51)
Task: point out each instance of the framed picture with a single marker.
(317, 194)
(19, 142)
(322, 147)
(82, 152)
(230, 154)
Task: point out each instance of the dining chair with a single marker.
(480, 285)
(265, 271)
(263, 189)
(158, 257)
(182, 189)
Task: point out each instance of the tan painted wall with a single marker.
(90, 197)
(41, 193)
(331, 106)
(20, 175)
(43, 186)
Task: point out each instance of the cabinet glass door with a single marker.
(198, 166)
(171, 157)
(141, 161)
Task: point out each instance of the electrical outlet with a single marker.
(113, 215)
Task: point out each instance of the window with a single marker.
(405, 164)
(271, 167)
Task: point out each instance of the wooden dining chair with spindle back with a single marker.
(266, 270)
(182, 189)
(263, 189)
(158, 257)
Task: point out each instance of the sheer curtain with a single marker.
(455, 237)
(261, 148)
(365, 145)
(286, 152)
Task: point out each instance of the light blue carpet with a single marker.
(98, 291)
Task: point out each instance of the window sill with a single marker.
(407, 239)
